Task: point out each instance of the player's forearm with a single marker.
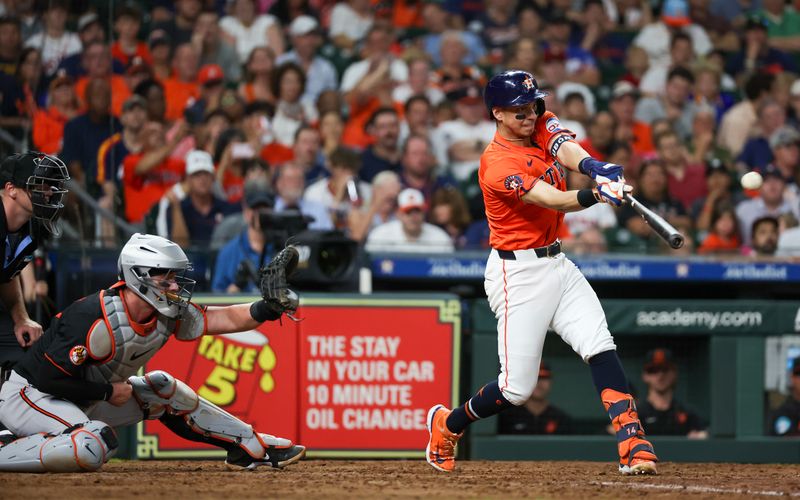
(545, 195)
(570, 154)
(11, 295)
(229, 319)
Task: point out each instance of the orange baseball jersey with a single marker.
(508, 171)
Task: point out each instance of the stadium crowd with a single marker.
(191, 117)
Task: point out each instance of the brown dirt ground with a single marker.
(405, 478)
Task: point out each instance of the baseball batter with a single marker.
(530, 284)
(79, 381)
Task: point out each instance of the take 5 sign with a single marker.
(354, 378)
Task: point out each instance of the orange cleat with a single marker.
(441, 449)
(636, 454)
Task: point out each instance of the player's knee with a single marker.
(599, 344)
(518, 395)
(85, 447)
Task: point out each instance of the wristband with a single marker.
(587, 198)
(261, 312)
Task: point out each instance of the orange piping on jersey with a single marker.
(141, 329)
(505, 325)
(47, 356)
(108, 326)
(42, 411)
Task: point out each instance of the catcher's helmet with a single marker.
(144, 263)
(513, 88)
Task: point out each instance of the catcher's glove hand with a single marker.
(274, 285)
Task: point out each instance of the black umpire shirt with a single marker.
(518, 420)
(677, 420)
(16, 250)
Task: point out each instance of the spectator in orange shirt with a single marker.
(257, 84)
(48, 124)
(724, 235)
(97, 62)
(128, 46)
(148, 175)
(629, 130)
(183, 86)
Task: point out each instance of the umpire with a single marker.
(31, 197)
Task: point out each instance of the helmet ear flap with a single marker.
(539, 107)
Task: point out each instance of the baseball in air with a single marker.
(752, 180)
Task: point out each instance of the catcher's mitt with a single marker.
(274, 285)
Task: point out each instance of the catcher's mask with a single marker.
(154, 268)
(43, 177)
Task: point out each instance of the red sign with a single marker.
(354, 377)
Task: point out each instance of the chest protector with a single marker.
(119, 349)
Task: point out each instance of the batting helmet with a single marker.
(513, 88)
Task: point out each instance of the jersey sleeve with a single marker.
(193, 323)
(549, 133)
(510, 177)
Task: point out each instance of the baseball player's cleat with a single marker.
(638, 466)
(636, 454)
(275, 457)
(441, 449)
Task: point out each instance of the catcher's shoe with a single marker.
(441, 449)
(636, 454)
(279, 453)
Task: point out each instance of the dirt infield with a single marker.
(381, 479)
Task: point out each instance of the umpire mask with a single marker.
(43, 177)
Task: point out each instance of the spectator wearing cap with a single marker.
(214, 48)
(149, 174)
(48, 123)
(191, 220)
(719, 181)
(624, 97)
(179, 28)
(741, 119)
(54, 42)
(127, 22)
(459, 143)
(538, 415)
(247, 29)
(211, 82)
(418, 166)
(756, 53)
(655, 38)
(420, 83)
(306, 40)
(113, 151)
(183, 86)
(258, 70)
(384, 153)
(343, 191)
(160, 47)
(577, 102)
(757, 150)
(783, 25)
(660, 412)
(349, 23)
(579, 64)
(764, 238)
(681, 54)
(409, 233)
(436, 23)
(290, 185)
(686, 180)
(673, 105)
(769, 202)
(367, 84)
(89, 30)
(785, 146)
(249, 250)
(84, 134)
(785, 420)
(97, 63)
(10, 45)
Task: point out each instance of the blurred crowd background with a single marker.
(194, 118)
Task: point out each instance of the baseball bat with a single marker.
(663, 228)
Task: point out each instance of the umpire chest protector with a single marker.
(120, 348)
(16, 249)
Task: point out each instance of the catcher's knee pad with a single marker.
(84, 447)
(158, 392)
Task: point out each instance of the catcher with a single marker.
(78, 383)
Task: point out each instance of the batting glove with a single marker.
(596, 168)
(612, 191)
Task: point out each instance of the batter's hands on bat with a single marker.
(612, 191)
(27, 332)
(595, 168)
